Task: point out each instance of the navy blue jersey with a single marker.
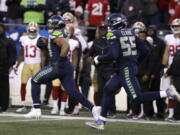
(54, 50)
(124, 47)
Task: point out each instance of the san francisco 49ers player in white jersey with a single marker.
(31, 55)
(173, 44)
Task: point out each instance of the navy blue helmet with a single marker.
(56, 22)
(116, 21)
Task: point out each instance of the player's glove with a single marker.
(42, 43)
(96, 61)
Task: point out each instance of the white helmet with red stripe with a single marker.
(139, 27)
(175, 26)
(68, 17)
(32, 30)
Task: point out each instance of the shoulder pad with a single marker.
(110, 35)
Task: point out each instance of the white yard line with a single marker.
(50, 117)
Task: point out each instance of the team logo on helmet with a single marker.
(55, 22)
(116, 21)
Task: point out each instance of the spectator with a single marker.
(174, 10)
(131, 9)
(7, 60)
(95, 14)
(33, 11)
(3, 10)
(157, 54)
(163, 6)
(116, 5)
(79, 15)
(14, 15)
(149, 12)
(56, 7)
(74, 4)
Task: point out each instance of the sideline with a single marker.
(50, 117)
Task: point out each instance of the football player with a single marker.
(31, 55)
(60, 68)
(124, 47)
(77, 45)
(173, 44)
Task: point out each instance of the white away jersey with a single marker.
(32, 54)
(174, 45)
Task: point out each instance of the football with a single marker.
(42, 42)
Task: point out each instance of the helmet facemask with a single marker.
(175, 26)
(32, 30)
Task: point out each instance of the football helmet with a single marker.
(116, 21)
(56, 22)
(32, 30)
(68, 17)
(139, 27)
(174, 26)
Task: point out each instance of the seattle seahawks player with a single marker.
(60, 68)
(125, 47)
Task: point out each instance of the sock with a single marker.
(23, 92)
(23, 103)
(63, 96)
(171, 112)
(55, 103)
(63, 106)
(76, 108)
(55, 92)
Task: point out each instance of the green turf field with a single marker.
(77, 127)
(15, 124)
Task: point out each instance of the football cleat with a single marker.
(54, 111)
(172, 93)
(22, 109)
(62, 113)
(34, 113)
(98, 124)
(96, 110)
(170, 119)
(75, 112)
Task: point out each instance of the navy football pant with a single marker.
(63, 71)
(126, 78)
